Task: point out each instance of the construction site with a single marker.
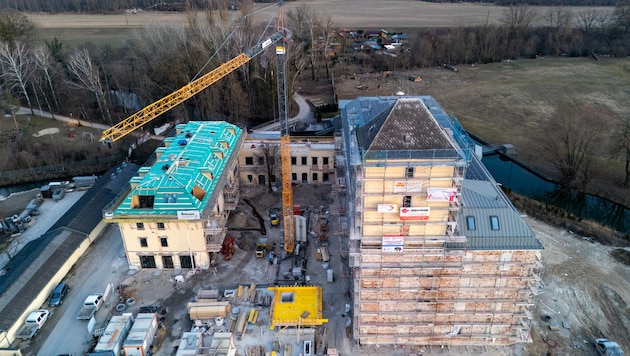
(388, 233)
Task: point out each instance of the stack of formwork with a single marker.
(208, 306)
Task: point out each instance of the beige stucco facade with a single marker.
(312, 161)
(175, 214)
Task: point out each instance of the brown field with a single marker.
(392, 15)
(508, 102)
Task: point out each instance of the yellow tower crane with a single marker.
(186, 92)
(152, 111)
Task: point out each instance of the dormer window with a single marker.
(470, 223)
(494, 223)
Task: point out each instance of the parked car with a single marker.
(57, 295)
(34, 321)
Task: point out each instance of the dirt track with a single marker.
(585, 287)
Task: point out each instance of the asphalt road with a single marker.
(104, 263)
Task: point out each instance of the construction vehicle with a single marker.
(189, 90)
(261, 246)
(606, 347)
(275, 222)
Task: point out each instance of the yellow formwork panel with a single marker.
(296, 306)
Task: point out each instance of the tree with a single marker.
(86, 77)
(17, 69)
(517, 19)
(587, 21)
(623, 147)
(270, 154)
(573, 140)
(43, 61)
(14, 27)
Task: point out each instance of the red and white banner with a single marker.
(415, 213)
(387, 208)
(407, 186)
(441, 194)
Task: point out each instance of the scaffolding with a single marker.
(427, 288)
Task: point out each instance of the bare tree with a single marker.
(587, 21)
(17, 69)
(271, 155)
(44, 62)
(86, 76)
(623, 147)
(573, 139)
(517, 19)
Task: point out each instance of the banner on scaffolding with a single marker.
(387, 208)
(393, 243)
(407, 186)
(441, 194)
(414, 213)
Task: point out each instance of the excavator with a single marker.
(159, 107)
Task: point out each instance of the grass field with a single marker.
(365, 14)
(510, 102)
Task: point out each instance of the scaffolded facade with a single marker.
(434, 260)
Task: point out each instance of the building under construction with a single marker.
(438, 254)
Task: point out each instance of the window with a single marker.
(271, 160)
(304, 160)
(494, 222)
(294, 176)
(140, 226)
(167, 262)
(160, 226)
(293, 161)
(325, 177)
(470, 223)
(261, 161)
(314, 159)
(186, 261)
(409, 172)
(147, 261)
(164, 241)
(315, 177)
(325, 161)
(406, 201)
(250, 178)
(143, 242)
(145, 202)
(272, 178)
(249, 161)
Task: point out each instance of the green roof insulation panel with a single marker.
(186, 173)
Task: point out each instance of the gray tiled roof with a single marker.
(410, 127)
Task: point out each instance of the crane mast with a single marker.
(285, 143)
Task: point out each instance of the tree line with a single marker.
(117, 6)
(537, 2)
(106, 84)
